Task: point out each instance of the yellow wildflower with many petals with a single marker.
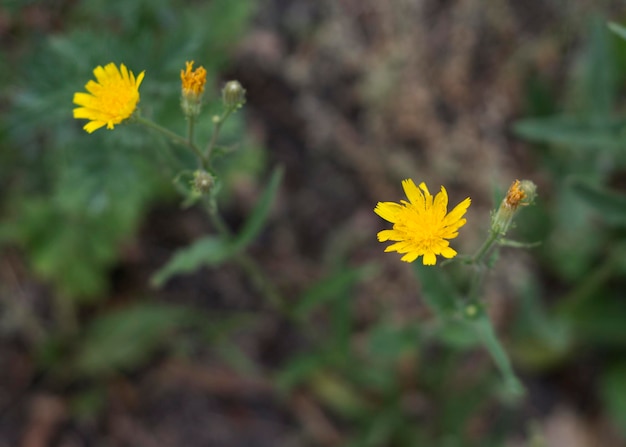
(421, 226)
(111, 98)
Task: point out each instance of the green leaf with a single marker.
(458, 334)
(600, 77)
(208, 251)
(517, 244)
(338, 393)
(300, 369)
(387, 342)
(618, 29)
(95, 189)
(613, 392)
(600, 319)
(438, 290)
(484, 328)
(575, 131)
(539, 339)
(213, 251)
(256, 221)
(126, 338)
(329, 288)
(610, 205)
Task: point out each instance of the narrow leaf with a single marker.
(255, 222)
(208, 251)
(126, 338)
(575, 132)
(483, 326)
(610, 205)
(600, 77)
(328, 289)
(517, 244)
(618, 29)
(613, 392)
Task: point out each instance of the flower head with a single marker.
(193, 80)
(422, 225)
(520, 193)
(192, 88)
(112, 97)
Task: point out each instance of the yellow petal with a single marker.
(429, 258)
(388, 210)
(414, 195)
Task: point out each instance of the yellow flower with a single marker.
(421, 226)
(192, 89)
(193, 80)
(112, 98)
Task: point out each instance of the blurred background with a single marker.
(349, 97)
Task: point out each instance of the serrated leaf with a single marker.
(208, 251)
(618, 29)
(575, 132)
(256, 221)
(609, 204)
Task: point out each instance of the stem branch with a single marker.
(248, 264)
(174, 138)
(217, 127)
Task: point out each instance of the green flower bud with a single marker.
(202, 182)
(233, 95)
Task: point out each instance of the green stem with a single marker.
(173, 137)
(476, 284)
(248, 264)
(217, 127)
(482, 324)
(190, 128)
(478, 258)
(480, 268)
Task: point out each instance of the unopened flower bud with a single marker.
(192, 89)
(202, 182)
(521, 193)
(233, 95)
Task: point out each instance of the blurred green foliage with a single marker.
(214, 250)
(72, 199)
(582, 147)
